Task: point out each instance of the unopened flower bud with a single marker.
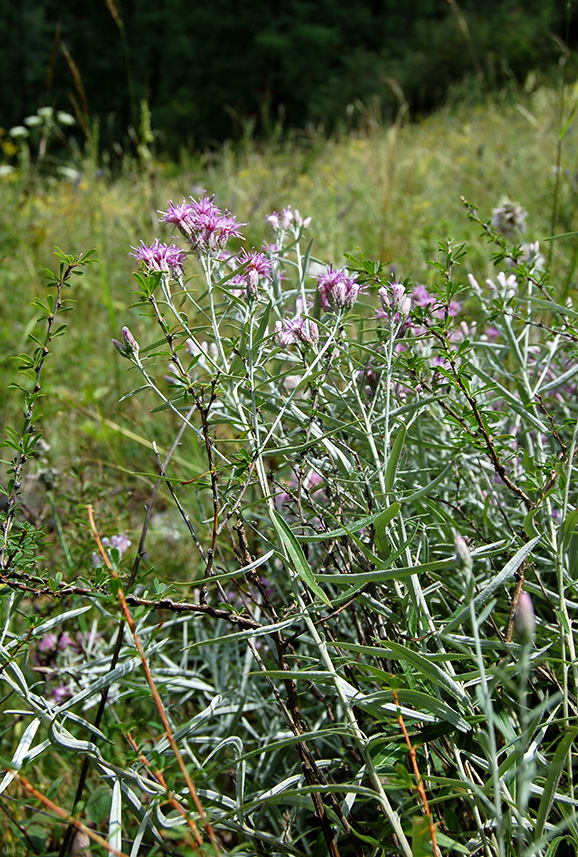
(463, 555)
(132, 344)
(525, 618)
(120, 347)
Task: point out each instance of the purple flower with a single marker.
(273, 220)
(203, 224)
(296, 330)
(179, 216)
(454, 308)
(121, 542)
(286, 219)
(394, 301)
(130, 346)
(65, 642)
(441, 362)
(131, 343)
(491, 334)
(161, 257)
(338, 289)
(256, 267)
(421, 297)
(48, 643)
(60, 693)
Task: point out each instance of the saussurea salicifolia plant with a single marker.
(371, 648)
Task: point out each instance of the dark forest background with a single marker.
(215, 70)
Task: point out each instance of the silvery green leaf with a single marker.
(484, 596)
(134, 851)
(216, 706)
(167, 822)
(248, 635)
(76, 718)
(64, 739)
(21, 752)
(115, 818)
(47, 626)
(106, 680)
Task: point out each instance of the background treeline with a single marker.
(224, 68)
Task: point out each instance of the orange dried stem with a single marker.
(419, 781)
(53, 807)
(157, 700)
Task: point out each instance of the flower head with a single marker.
(48, 643)
(506, 287)
(338, 289)
(203, 224)
(160, 257)
(255, 268)
(130, 347)
(297, 330)
(394, 301)
(509, 218)
(288, 219)
(62, 692)
(120, 541)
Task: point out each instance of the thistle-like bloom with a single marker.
(256, 268)
(286, 219)
(509, 218)
(338, 289)
(297, 330)
(421, 296)
(48, 643)
(161, 257)
(394, 301)
(179, 215)
(131, 342)
(505, 288)
(203, 224)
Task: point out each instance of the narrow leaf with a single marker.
(21, 752)
(393, 461)
(508, 571)
(554, 772)
(115, 819)
(297, 556)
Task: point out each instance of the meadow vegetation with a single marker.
(290, 567)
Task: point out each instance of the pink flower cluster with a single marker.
(120, 542)
(254, 268)
(422, 298)
(288, 218)
(394, 301)
(295, 331)
(203, 224)
(338, 289)
(160, 257)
